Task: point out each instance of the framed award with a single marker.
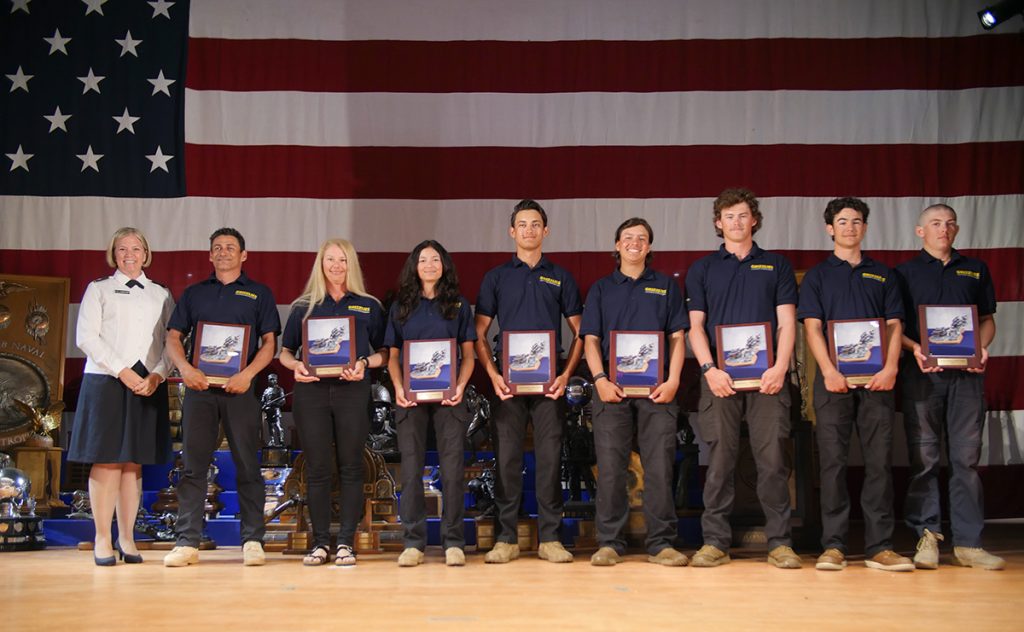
(857, 348)
(745, 352)
(221, 350)
(528, 361)
(949, 336)
(429, 369)
(636, 362)
(328, 345)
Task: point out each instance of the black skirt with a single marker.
(114, 425)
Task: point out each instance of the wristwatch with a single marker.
(365, 360)
(707, 366)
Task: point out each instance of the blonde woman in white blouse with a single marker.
(121, 421)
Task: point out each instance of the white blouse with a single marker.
(120, 325)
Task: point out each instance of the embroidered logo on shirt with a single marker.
(873, 277)
(550, 281)
(359, 308)
(655, 290)
(246, 294)
(762, 266)
(969, 273)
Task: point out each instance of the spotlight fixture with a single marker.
(999, 12)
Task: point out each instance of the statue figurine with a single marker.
(271, 403)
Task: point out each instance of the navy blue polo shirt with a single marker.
(426, 323)
(924, 280)
(731, 291)
(835, 290)
(525, 298)
(653, 302)
(241, 302)
(368, 314)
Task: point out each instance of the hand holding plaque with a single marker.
(636, 362)
(949, 337)
(428, 369)
(857, 348)
(221, 350)
(745, 352)
(528, 361)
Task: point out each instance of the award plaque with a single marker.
(528, 359)
(428, 369)
(949, 336)
(221, 350)
(328, 345)
(637, 361)
(745, 353)
(857, 348)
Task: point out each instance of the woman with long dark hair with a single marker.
(429, 306)
(334, 410)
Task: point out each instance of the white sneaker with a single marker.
(182, 556)
(252, 554)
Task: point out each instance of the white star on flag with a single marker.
(128, 45)
(57, 120)
(21, 4)
(160, 84)
(57, 43)
(159, 160)
(94, 5)
(126, 122)
(90, 160)
(161, 7)
(91, 81)
(19, 159)
(19, 80)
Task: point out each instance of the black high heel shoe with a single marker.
(127, 557)
(104, 561)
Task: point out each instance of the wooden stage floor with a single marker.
(62, 589)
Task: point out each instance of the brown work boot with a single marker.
(605, 556)
(668, 557)
(927, 555)
(709, 556)
(889, 560)
(978, 558)
(502, 553)
(784, 557)
(553, 552)
(831, 560)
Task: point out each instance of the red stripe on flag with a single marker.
(438, 173)
(286, 272)
(606, 66)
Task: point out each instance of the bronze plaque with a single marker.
(33, 327)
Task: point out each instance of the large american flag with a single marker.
(391, 121)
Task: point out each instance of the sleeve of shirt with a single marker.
(987, 299)
(810, 305)
(592, 324)
(467, 331)
(270, 319)
(375, 328)
(696, 297)
(89, 332)
(487, 298)
(393, 329)
(181, 317)
(678, 317)
(893, 297)
(163, 367)
(785, 289)
(570, 300)
(292, 338)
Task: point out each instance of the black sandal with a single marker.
(317, 557)
(344, 556)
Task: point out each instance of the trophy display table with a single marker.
(42, 465)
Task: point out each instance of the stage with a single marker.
(60, 588)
